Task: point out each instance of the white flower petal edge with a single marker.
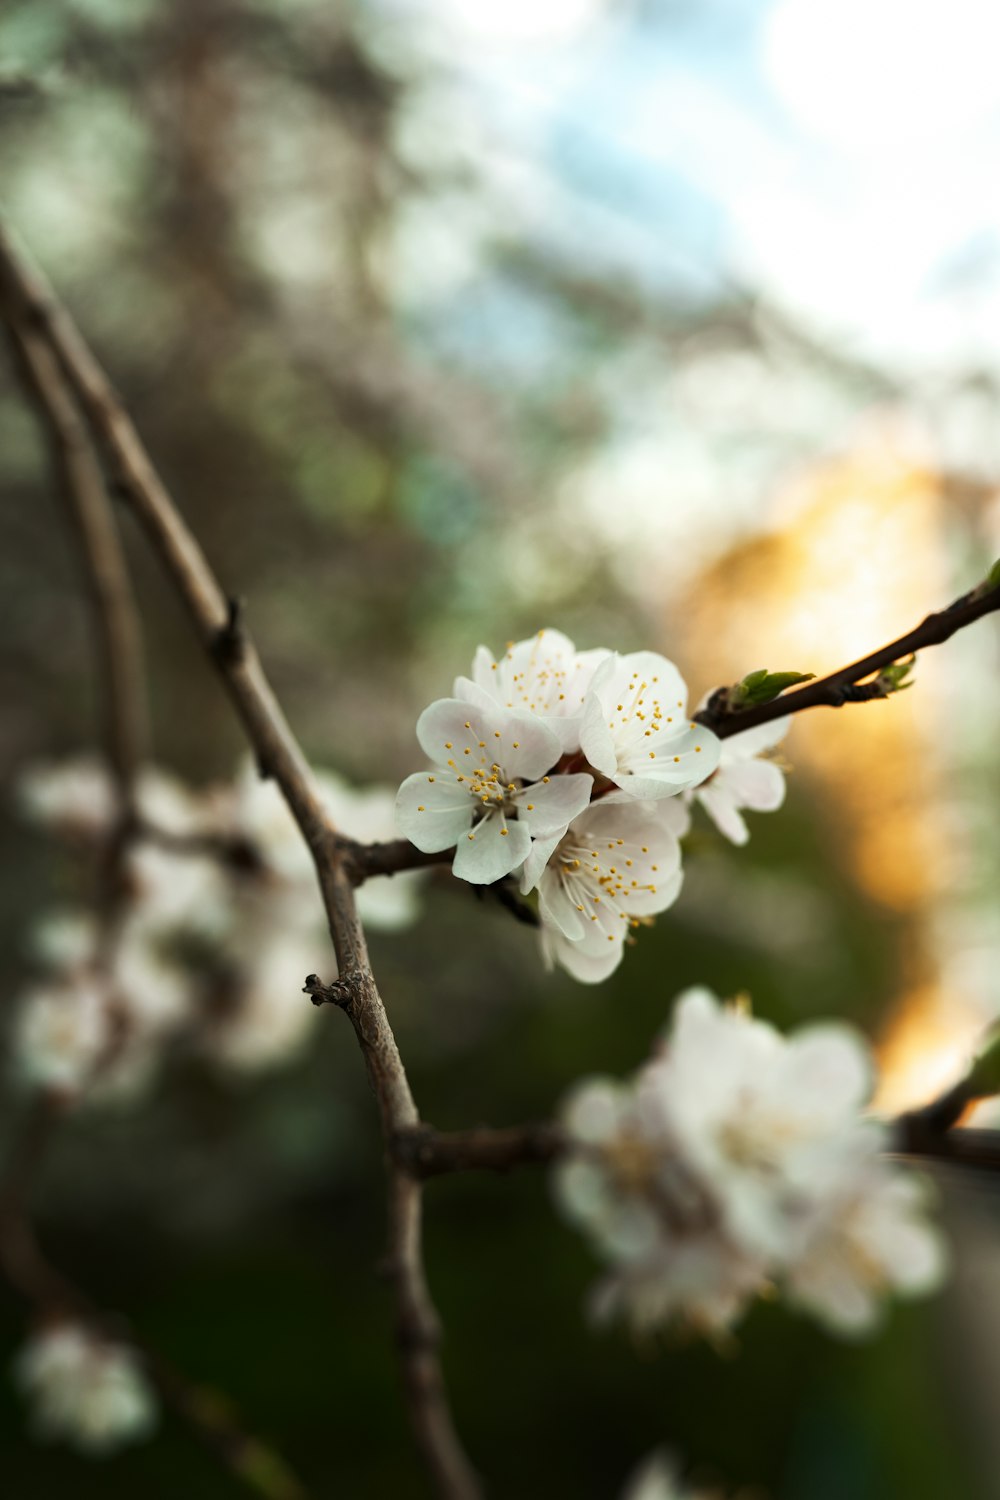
(614, 865)
(486, 792)
(744, 783)
(544, 675)
(635, 729)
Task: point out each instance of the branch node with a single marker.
(229, 643)
(342, 992)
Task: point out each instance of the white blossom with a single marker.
(656, 1479)
(544, 675)
(486, 791)
(616, 866)
(744, 781)
(61, 1031)
(76, 795)
(269, 1018)
(636, 731)
(261, 815)
(85, 1390)
(757, 1115)
(866, 1238)
(735, 1159)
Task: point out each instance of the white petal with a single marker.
(473, 736)
(488, 853)
(433, 812)
(557, 908)
(550, 806)
(540, 854)
(484, 672)
(756, 784)
(470, 692)
(668, 763)
(723, 813)
(751, 742)
(596, 739)
(577, 960)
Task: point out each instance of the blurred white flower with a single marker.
(759, 1117)
(615, 866)
(172, 892)
(262, 817)
(269, 1018)
(76, 795)
(487, 792)
(61, 1030)
(656, 1479)
(84, 1390)
(744, 780)
(737, 1158)
(868, 1237)
(544, 675)
(636, 731)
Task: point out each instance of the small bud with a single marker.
(893, 679)
(993, 576)
(763, 686)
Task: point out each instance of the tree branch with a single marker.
(27, 303)
(842, 687)
(432, 1153)
(85, 497)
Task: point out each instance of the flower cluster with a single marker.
(219, 921)
(574, 770)
(656, 1479)
(738, 1159)
(84, 1390)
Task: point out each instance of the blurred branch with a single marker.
(33, 1276)
(432, 1153)
(28, 304)
(847, 685)
(113, 605)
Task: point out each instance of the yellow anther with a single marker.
(421, 809)
(448, 745)
(430, 778)
(503, 833)
(531, 807)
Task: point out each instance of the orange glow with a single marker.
(860, 562)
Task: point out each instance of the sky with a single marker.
(839, 155)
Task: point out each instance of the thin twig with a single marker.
(105, 571)
(432, 1153)
(839, 687)
(28, 303)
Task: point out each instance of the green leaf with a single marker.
(893, 679)
(763, 686)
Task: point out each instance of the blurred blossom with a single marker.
(75, 796)
(85, 1391)
(656, 1479)
(735, 1158)
(260, 814)
(61, 1030)
(268, 1018)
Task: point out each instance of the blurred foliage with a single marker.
(228, 193)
